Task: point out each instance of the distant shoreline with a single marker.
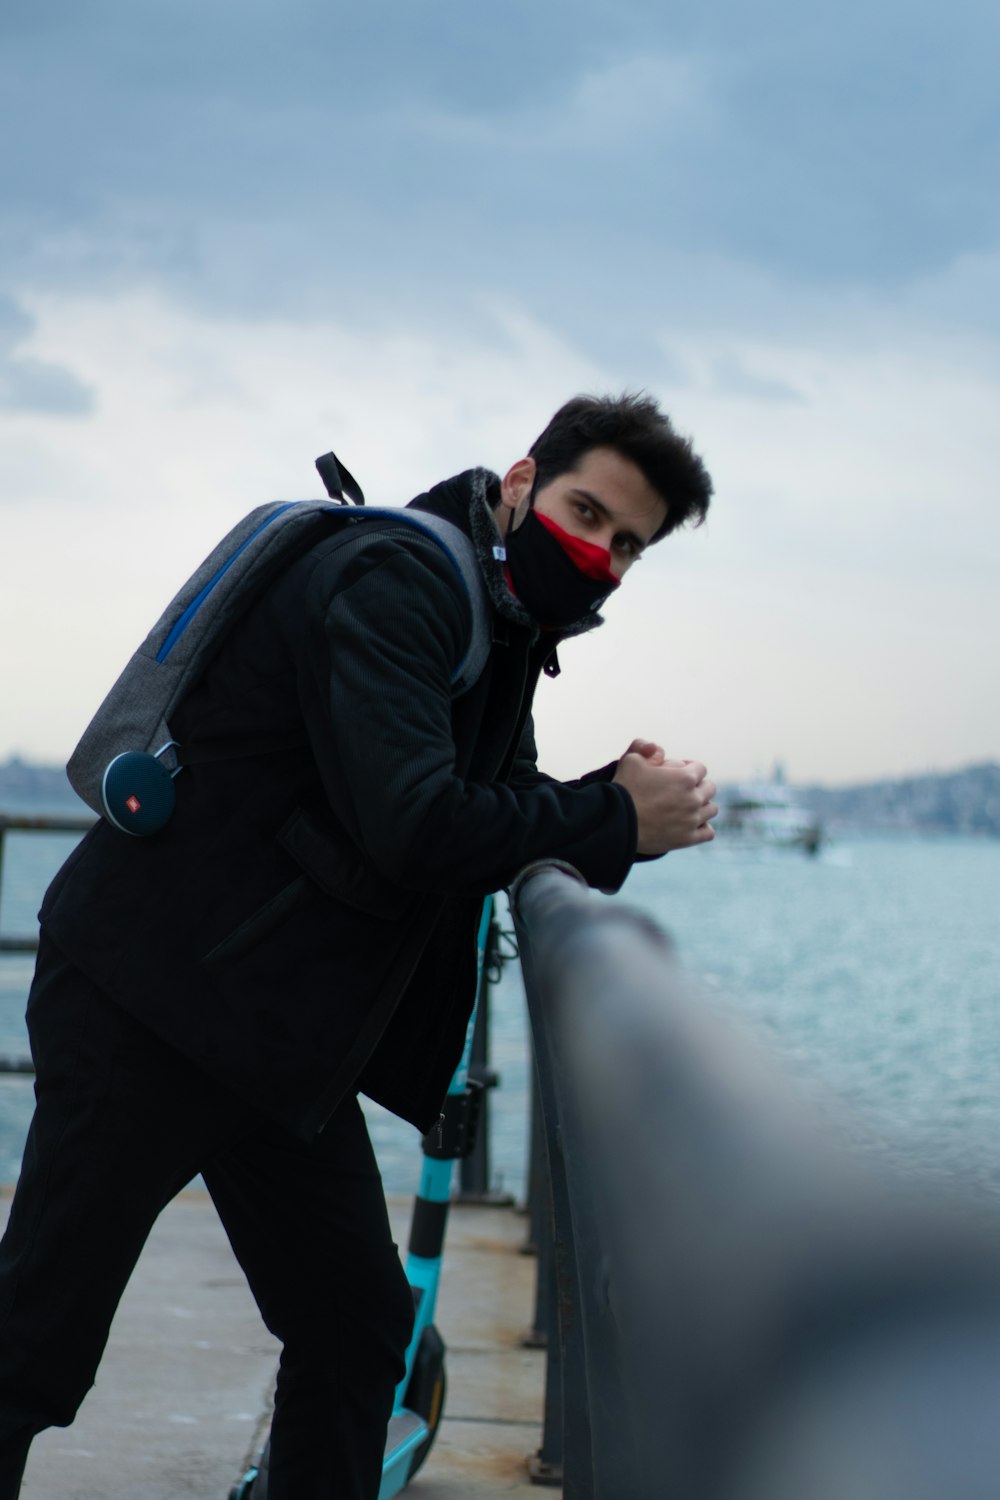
(965, 801)
(43, 788)
(961, 801)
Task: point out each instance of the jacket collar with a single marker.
(469, 501)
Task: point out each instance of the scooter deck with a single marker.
(406, 1433)
(401, 1427)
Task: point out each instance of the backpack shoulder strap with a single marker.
(136, 712)
(462, 555)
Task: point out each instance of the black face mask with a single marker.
(546, 579)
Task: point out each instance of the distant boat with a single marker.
(768, 815)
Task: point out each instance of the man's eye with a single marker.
(627, 546)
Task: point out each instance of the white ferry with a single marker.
(768, 814)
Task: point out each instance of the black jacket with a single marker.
(304, 924)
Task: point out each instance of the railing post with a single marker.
(546, 1466)
(474, 1169)
(539, 1208)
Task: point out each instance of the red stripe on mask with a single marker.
(593, 562)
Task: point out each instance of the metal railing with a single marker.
(475, 1178)
(745, 1311)
(26, 823)
(28, 942)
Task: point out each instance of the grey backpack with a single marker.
(125, 762)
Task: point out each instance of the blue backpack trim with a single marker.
(196, 603)
(133, 721)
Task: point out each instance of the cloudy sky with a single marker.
(235, 235)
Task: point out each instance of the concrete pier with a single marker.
(183, 1394)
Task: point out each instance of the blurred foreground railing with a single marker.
(744, 1311)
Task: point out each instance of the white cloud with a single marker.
(838, 610)
(626, 103)
(197, 422)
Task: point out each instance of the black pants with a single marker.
(122, 1123)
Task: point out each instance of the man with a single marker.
(214, 998)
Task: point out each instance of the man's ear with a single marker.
(515, 486)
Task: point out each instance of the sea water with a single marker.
(872, 971)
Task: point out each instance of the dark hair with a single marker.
(634, 426)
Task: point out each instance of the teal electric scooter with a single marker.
(420, 1394)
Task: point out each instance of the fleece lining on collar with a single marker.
(483, 503)
(470, 500)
